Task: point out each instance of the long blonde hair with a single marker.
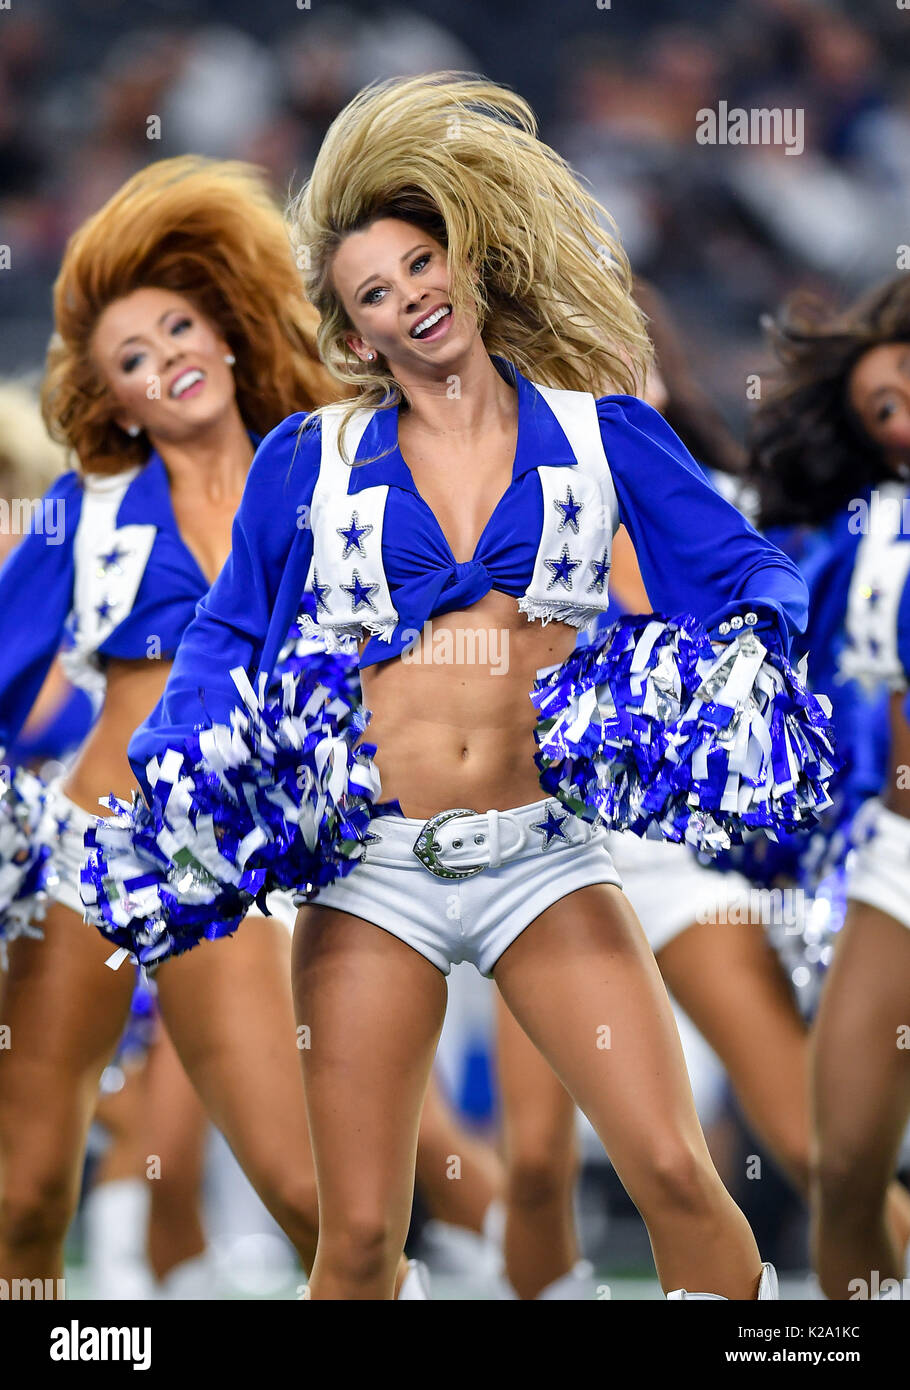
(459, 156)
(211, 231)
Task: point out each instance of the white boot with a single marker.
(116, 1219)
(767, 1288)
(494, 1225)
(416, 1283)
(193, 1279)
(455, 1250)
(577, 1283)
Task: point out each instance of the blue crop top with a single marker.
(696, 552)
(103, 566)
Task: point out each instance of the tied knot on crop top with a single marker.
(385, 569)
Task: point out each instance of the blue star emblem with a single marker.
(562, 569)
(360, 593)
(601, 570)
(552, 826)
(111, 561)
(570, 511)
(320, 590)
(104, 609)
(352, 536)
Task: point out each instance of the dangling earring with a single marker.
(230, 359)
(133, 430)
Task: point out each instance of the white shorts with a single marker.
(281, 907)
(533, 855)
(668, 888)
(878, 870)
(63, 828)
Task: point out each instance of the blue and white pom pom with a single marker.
(653, 724)
(280, 799)
(23, 857)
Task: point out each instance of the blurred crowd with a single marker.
(87, 96)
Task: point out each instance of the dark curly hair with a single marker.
(808, 450)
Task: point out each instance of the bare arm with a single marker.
(133, 689)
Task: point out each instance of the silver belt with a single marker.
(471, 842)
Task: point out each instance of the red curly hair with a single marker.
(208, 230)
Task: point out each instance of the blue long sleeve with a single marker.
(696, 552)
(246, 613)
(36, 596)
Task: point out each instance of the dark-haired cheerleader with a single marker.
(832, 446)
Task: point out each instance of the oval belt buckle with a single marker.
(428, 849)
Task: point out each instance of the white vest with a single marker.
(870, 653)
(332, 508)
(109, 564)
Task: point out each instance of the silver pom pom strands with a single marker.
(24, 857)
(279, 799)
(652, 724)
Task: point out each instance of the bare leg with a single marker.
(121, 1115)
(65, 1013)
(228, 1010)
(541, 1155)
(731, 984)
(582, 982)
(374, 1008)
(174, 1132)
(115, 1211)
(458, 1194)
(861, 1098)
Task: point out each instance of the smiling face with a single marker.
(393, 282)
(164, 363)
(879, 392)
